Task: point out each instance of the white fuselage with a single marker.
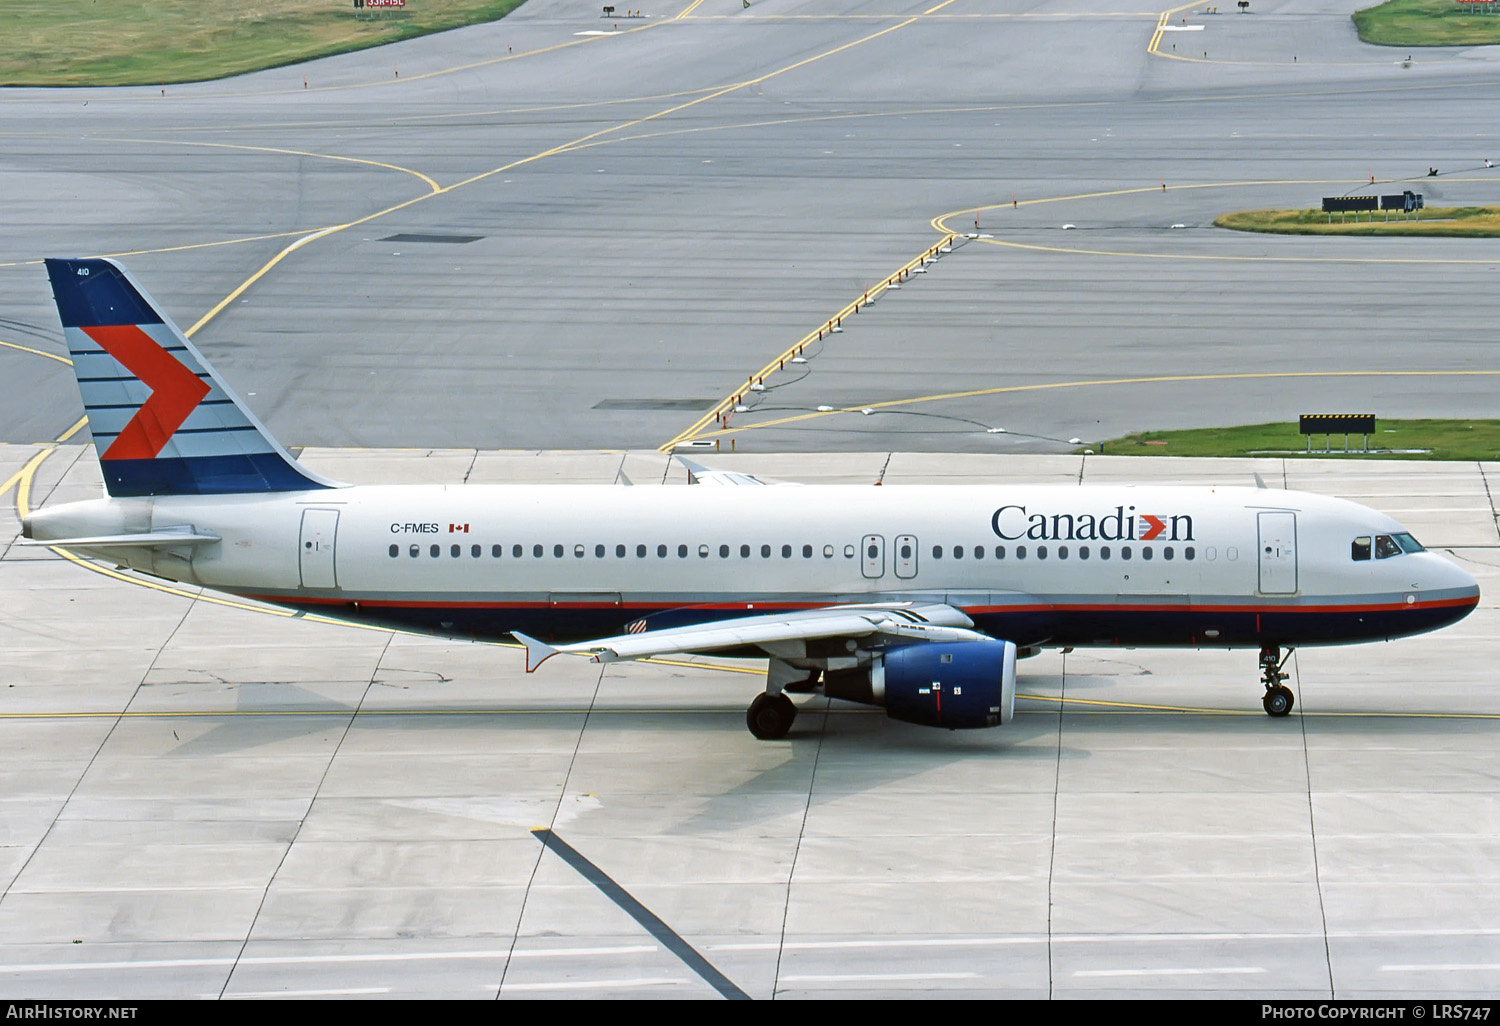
(1038, 564)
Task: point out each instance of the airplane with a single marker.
(919, 599)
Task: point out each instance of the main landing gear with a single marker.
(770, 716)
(1278, 701)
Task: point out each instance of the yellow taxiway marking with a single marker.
(1229, 258)
(37, 352)
(940, 224)
(1161, 26)
(1092, 383)
(294, 153)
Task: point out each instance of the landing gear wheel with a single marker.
(770, 716)
(803, 687)
(1278, 701)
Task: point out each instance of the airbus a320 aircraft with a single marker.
(918, 599)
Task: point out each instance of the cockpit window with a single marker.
(1408, 543)
(1360, 548)
(1386, 547)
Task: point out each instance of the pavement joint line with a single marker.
(351, 718)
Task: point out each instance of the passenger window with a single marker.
(1062, 552)
(1188, 553)
(476, 551)
(497, 551)
(1083, 552)
(937, 552)
(999, 551)
(619, 552)
(827, 551)
(807, 552)
(557, 551)
(1104, 552)
(979, 552)
(786, 552)
(640, 552)
(661, 552)
(1146, 552)
(744, 552)
(598, 551)
(395, 551)
(958, 552)
(1360, 549)
(415, 551)
(1020, 552)
(1124, 551)
(723, 551)
(765, 552)
(435, 550)
(681, 551)
(1041, 552)
(1386, 547)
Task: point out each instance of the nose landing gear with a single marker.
(1279, 700)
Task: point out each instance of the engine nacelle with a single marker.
(957, 685)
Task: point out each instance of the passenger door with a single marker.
(319, 526)
(1278, 553)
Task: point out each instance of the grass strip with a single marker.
(1452, 222)
(1429, 23)
(1392, 440)
(158, 42)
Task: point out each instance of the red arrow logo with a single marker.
(175, 391)
(1157, 527)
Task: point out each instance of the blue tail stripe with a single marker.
(90, 293)
(204, 475)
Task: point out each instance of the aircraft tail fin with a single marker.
(163, 421)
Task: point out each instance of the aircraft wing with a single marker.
(918, 622)
(699, 474)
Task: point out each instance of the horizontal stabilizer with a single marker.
(537, 652)
(155, 539)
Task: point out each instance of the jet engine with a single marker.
(956, 685)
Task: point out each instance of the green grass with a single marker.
(1454, 222)
(1437, 440)
(151, 42)
(1427, 23)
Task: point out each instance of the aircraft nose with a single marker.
(1450, 585)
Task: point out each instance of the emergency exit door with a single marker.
(1278, 553)
(316, 553)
